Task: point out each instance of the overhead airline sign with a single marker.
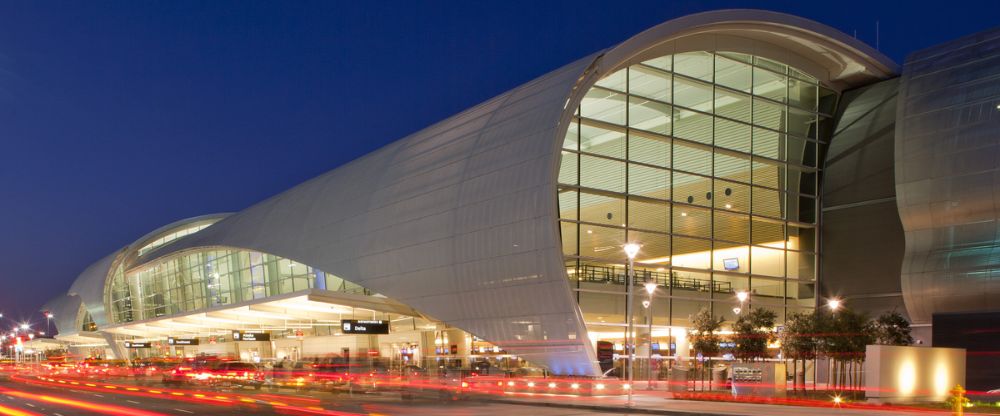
(252, 335)
(129, 344)
(354, 326)
(182, 341)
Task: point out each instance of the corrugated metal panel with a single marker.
(948, 176)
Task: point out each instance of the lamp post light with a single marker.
(741, 296)
(25, 326)
(834, 304)
(631, 249)
(648, 304)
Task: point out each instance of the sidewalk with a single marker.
(659, 403)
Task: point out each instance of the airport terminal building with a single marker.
(746, 151)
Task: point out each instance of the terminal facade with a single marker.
(747, 152)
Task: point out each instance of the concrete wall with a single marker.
(862, 238)
(910, 374)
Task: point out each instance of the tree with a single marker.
(753, 333)
(798, 341)
(705, 339)
(891, 328)
(843, 336)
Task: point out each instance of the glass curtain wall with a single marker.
(709, 161)
(209, 278)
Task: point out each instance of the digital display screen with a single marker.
(731, 264)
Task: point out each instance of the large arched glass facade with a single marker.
(211, 277)
(709, 160)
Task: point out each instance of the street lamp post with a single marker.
(650, 288)
(631, 249)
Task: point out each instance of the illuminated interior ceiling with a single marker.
(301, 310)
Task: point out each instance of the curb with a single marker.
(634, 410)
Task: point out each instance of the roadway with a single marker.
(22, 398)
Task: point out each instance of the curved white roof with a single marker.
(459, 220)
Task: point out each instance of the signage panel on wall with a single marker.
(251, 335)
(129, 344)
(355, 326)
(182, 341)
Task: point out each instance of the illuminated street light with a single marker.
(834, 304)
(737, 310)
(650, 287)
(742, 296)
(631, 250)
(25, 327)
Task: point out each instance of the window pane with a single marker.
(568, 168)
(649, 182)
(568, 233)
(768, 203)
(602, 243)
(649, 150)
(767, 233)
(732, 135)
(655, 247)
(602, 173)
(692, 189)
(769, 84)
(694, 64)
(693, 126)
(689, 283)
(732, 74)
(602, 141)
(768, 290)
(567, 204)
(726, 286)
(654, 216)
(649, 83)
(649, 115)
(692, 221)
(602, 209)
(731, 196)
(732, 227)
(802, 94)
(769, 174)
(801, 123)
(604, 105)
(615, 81)
(692, 158)
(572, 140)
(732, 105)
(801, 293)
(768, 143)
(693, 94)
(767, 261)
(732, 167)
(801, 265)
(768, 114)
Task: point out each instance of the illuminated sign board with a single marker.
(182, 341)
(254, 335)
(354, 326)
(129, 344)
